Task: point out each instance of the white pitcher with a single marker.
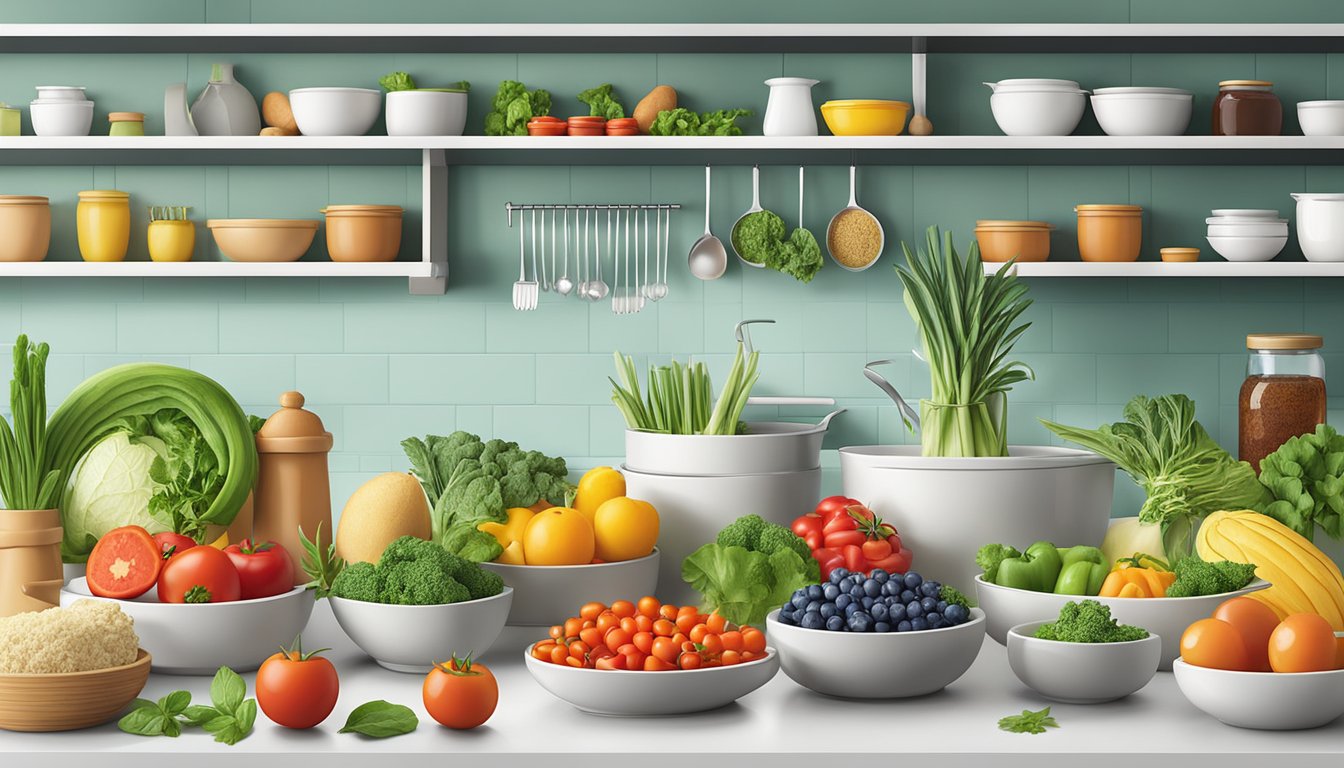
(789, 111)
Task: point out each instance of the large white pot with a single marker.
(946, 509)
(692, 510)
(766, 446)
(1320, 225)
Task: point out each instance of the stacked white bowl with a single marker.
(61, 110)
(1142, 110)
(1321, 118)
(1037, 106)
(1247, 234)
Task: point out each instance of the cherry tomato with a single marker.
(753, 641)
(615, 638)
(199, 575)
(611, 662)
(124, 564)
(854, 559)
(876, 550)
(666, 649)
(664, 628)
(172, 543)
(860, 513)
(829, 560)
(297, 689)
(590, 611)
(1303, 642)
(460, 694)
(716, 623)
(732, 641)
(831, 505)
(1216, 644)
(591, 636)
(729, 658)
(264, 569)
(841, 523)
(810, 523)
(814, 540)
(689, 661)
(648, 606)
(1255, 622)
(623, 608)
(842, 539)
(655, 664)
(896, 562)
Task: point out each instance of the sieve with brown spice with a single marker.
(855, 236)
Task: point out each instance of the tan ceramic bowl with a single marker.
(70, 701)
(1111, 233)
(25, 221)
(1002, 240)
(363, 232)
(263, 239)
(1179, 255)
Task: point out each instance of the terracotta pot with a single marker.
(363, 232)
(25, 221)
(293, 485)
(30, 560)
(1000, 241)
(1109, 232)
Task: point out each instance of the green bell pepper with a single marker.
(1037, 569)
(1083, 571)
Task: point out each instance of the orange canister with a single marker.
(30, 560)
(1109, 232)
(103, 222)
(293, 485)
(1026, 241)
(363, 232)
(25, 221)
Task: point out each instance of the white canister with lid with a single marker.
(789, 110)
(1320, 225)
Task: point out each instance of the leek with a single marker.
(23, 483)
(966, 327)
(680, 397)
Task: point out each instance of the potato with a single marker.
(276, 112)
(272, 130)
(662, 97)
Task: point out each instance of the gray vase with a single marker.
(225, 107)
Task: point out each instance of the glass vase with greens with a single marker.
(968, 323)
(23, 447)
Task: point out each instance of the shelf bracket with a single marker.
(434, 225)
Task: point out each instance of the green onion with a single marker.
(965, 321)
(680, 399)
(23, 450)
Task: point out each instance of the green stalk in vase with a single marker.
(23, 448)
(966, 327)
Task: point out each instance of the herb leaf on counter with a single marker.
(322, 566)
(381, 719)
(1028, 722)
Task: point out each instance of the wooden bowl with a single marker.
(70, 701)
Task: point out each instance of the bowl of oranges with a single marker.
(601, 548)
(1247, 668)
(643, 658)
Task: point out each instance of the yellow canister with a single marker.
(171, 240)
(104, 224)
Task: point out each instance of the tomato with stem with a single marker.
(460, 694)
(297, 689)
(199, 575)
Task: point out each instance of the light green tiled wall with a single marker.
(379, 365)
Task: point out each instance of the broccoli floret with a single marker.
(412, 549)
(953, 596)
(990, 556)
(478, 581)
(773, 538)
(419, 582)
(1088, 622)
(358, 581)
(1196, 577)
(744, 532)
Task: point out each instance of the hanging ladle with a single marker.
(755, 208)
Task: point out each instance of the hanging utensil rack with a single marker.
(509, 208)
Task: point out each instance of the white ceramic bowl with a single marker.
(1320, 225)
(1036, 493)
(766, 446)
(335, 111)
(61, 117)
(693, 510)
(1248, 228)
(636, 694)
(1166, 617)
(868, 665)
(198, 639)
(1037, 113)
(1081, 673)
(1264, 700)
(1143, 113)
(426, 113)
(1321, 118)
(547, 594)
(61, 93)
(1245, 213)
(1248, 248)
(412, 638)
(1034, 84)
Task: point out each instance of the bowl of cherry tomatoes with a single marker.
(644, 658)
(196, 607)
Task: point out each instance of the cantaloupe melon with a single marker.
(380, 511)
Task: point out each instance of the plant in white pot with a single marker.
(964, 486)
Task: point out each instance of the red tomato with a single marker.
(297, 689)
(854, 559)
(263, 569)
(828, 560)
(461, 694)
(842, 539)
(840, 523)
(830, 505)
(814, 540)
(124, 564)
(897, 562)
(807, 524)
(861, 513)
(199, 575)
(876, 550)
(172, 543)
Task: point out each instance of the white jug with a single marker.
(789, 111)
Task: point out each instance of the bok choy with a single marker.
(967, 328)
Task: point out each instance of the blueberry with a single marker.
(814, 592)
(879, 575)
(835, 624)
(787, 610)
(842, 601)
(891, 588)
(812, 620)
(913, 580)
(935, 620)
(860, 622)
(913, 609)
(907, 596)
(881, 626)
(917, 625)
(856, 592)
(955, 614)
(830, 592)
(800, 601)
(828, 610)
(937, 585)
(904, 626)
(868, 603)
(798, 592)
(942, 606)
(852, 609)
(929, 604)
(787, 618)
(813, 606)
(896, 613)
(872, 587)
(879, 611)
(927, 589)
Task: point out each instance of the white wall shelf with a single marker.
(408, 269)
(1163, 269)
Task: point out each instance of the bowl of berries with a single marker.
(876, 635)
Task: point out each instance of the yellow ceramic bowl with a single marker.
(171, 240)
(865, 117)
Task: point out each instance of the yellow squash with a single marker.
(511, 530)
(1303, 578)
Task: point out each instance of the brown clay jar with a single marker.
(1283, 395)
(293, 485)
(30, 560)
(1247, 108)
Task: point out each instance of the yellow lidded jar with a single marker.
(103, 221)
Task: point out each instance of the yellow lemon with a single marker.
(597, 486)
(625, 529)
(559, 536)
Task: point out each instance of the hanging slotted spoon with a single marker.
(659, 288)
(524, 291)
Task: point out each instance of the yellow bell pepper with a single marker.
(1137, 582)
(512, 555)
(510, 531)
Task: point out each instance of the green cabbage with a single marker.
(1306, 477)
(109, 488)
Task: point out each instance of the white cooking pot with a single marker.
(1320, 225)
(766, 446)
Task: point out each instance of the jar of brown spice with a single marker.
(1283, 395)
(1247, 108)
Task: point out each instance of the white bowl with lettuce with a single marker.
(412, 111)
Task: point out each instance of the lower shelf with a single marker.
(1164, 269)
(218, 269)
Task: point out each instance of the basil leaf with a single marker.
(198, 715)
(246, 716)
(144, 721)
(381, 719)
(225, 728)
(174, 703)
(171, 728)
(227, 690)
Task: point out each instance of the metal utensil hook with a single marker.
(743, 333)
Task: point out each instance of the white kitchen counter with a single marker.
(784, 722)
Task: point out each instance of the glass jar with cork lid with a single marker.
(1283, 395)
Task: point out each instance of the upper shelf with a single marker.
(680, 150)
(626, 38)
(1162, 269)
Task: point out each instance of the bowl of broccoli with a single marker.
(420, 604)
(1083, 656)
